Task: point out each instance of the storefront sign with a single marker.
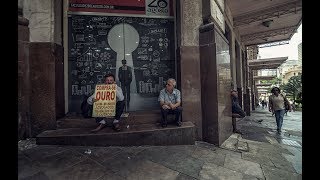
(141, 7)
(157, 7)
(105, 105)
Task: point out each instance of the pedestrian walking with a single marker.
(278, 104)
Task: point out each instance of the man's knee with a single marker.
(179, 109)
(166, 111)
(120, 106)
(120, 103)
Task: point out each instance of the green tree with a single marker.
(274, 82)
(293, 88)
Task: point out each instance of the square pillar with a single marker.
(47, 96)
(215, 85)
(24, 130)
(189, 19)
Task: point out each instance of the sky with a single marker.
(290, 50)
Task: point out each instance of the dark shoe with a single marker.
(116, 127)
(179, 123)
(164, 125)
(279, 131)
(101, 126)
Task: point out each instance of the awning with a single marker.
(265, 84)
(270, 63)
(263, 77)
(265, 21)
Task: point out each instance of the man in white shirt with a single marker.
(170, 101)
(109, 79)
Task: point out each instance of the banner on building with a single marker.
(141, 7)
(105, 106)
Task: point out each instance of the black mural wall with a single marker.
(97, 44)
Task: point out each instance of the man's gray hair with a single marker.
(173, 81)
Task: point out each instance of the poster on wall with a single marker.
(141, 7)
(105, 104)
(139, 51)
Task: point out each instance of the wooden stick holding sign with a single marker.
(105, 100)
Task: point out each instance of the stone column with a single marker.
(24, 130)
(215, 74)
(233, 60)
(253, 91)
(252, 53)
(215, 85)
(239, 72)
(46, 63)
(246, 87)
(46, 79)
(190, 18)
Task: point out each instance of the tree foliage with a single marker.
(274, 82)
(293, 88)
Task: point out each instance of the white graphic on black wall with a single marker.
(98, 45)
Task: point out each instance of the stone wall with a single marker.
(44, 19)
(45, 58)
(215, 85)
(191, 19)
(23, 78)
(46, 70)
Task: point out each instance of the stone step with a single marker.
(134, 118)
(144, 117)
(135, 135)
(76, 123)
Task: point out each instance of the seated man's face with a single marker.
(109, 80)
(169, 86)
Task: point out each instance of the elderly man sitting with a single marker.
(170, 101)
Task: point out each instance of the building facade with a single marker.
(300, 52)
(202, 44)
(290, 68)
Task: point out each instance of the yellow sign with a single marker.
(105, 100)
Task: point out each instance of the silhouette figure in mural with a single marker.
(124, 39)
(125, 78)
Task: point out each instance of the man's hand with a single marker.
(94, 100)
(165, 106)
(172, 106)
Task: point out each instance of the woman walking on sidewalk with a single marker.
(277, 105)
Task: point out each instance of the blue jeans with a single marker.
(279, 118)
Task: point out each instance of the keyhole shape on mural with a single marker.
(124, 39)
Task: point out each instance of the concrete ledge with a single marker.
(134, 118)
(135, 135)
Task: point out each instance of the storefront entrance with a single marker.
(98, 44)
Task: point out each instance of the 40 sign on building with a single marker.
(105, 100)
(158, 7)
(163, 8)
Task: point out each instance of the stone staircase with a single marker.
(139, 128)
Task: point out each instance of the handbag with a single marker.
(286, 103)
